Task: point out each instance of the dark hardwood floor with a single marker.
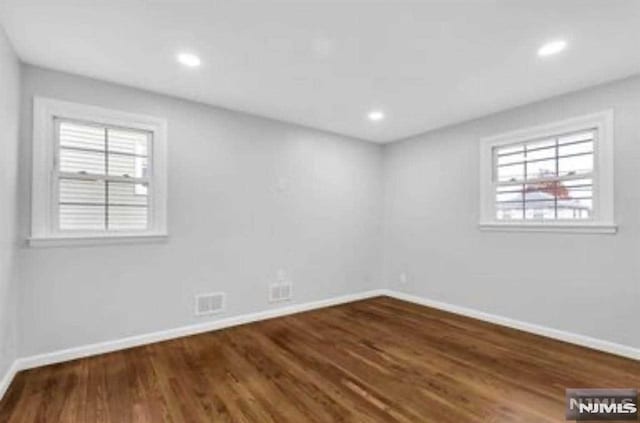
(378, 360)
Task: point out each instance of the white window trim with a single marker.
(45, 110)
(603, 218)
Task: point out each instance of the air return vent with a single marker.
(280, 292)
(209, 303)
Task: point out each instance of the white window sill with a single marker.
(95, 240)
(580, 228)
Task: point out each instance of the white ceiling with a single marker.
(326, 64)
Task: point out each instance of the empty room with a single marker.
(319, 211)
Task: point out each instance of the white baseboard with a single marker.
(573, 338)
(8, 378)
(138, 340)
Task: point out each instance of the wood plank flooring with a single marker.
(377, 360)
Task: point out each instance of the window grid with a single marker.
(555, 182)
(140, 184)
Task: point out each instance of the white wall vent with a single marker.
(209, 303)
(280, 292)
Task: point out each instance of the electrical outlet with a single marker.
(403, 278)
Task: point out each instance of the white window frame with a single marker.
(44, 230)
(602, 220)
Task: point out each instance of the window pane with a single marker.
(509, 149)
(128, 218)
(80, 191)
(572, 138)
(547, 153)
(546, 150)
(575, 209)
(77, 161)
(129, 194)
(74, 217)
(511, 158)
(543, 191)
(75, 135)
(511, 173)
(576, 165)
(543, 144)
(132, 166)
(581, 148)
(141, 189)
(511, 193)
(129, 142)
(540, 210)
(509, 211)
(578, 188)
(542, 169)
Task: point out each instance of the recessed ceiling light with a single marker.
(189, 59)
(552, 48)
(375, 115)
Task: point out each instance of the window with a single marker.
(554, 177)
(99, 175)
(545, 179)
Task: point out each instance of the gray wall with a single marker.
(586, 284)
(231, 226)
(9, 109)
